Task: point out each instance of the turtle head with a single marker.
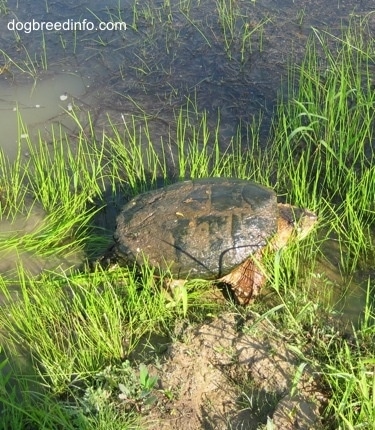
(293, 224)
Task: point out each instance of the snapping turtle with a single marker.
(216, 228)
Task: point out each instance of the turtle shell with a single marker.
(197, 229)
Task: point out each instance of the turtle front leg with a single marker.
(246, 280)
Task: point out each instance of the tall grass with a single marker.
(12, 185)
(323, 149)
(72, 327)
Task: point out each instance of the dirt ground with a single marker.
(224, 375)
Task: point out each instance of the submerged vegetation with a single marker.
(67, 338)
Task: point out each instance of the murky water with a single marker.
(15, 258)
(347, 294)
(39, 105)
(172, 54)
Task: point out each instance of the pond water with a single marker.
(170, 52)
(39, 107)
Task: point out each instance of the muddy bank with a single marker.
(222, 376)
